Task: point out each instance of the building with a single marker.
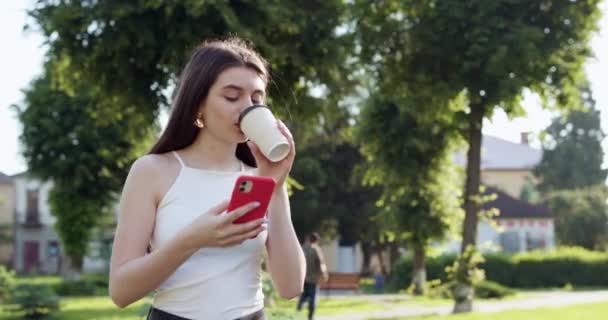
(38, 248)
(7, 219)
(520, 227)
(506, 167)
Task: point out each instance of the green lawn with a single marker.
(597, 311)
(102, 308)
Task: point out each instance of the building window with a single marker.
(52, 248)
(535, 241)
(32, 214)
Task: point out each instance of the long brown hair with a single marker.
(206, 63)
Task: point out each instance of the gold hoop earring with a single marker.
(199, 122)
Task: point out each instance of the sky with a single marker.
(22, 55)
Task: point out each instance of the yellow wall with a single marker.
(7, 210)
(509, 181)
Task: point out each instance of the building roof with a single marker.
(500, 154)
(4, 179)
(514, 208)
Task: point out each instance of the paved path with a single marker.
(532, 301)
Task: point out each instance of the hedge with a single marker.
(535, 269)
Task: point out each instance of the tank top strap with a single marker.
(242, 166)
(181, 162)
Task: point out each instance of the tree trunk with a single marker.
(367, 257)
(419, 278)
(393, 255)
(379, 250)
(464, 302)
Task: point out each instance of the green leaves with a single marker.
(84, 144)
(572, 150)
(134, 50)
(581, 216)
(408, 146)
(111, 64)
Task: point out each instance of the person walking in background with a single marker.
(316, 270)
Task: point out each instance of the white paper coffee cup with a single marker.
(260, 126)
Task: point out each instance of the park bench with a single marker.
(341, 281)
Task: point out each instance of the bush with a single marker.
(569, 265)
(483, 289)
(580, 216)
(500, 268)
(435, 269)
(270, 294)
(100, 280)
(7, 283)
(492, 290)
(537, 269)
(34, 301)
(76, 288)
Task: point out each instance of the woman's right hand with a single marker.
(216, 228)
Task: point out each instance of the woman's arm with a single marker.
(133, 273)
(285, 257)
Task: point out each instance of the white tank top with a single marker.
(214, 283)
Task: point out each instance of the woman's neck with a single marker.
(210, 153)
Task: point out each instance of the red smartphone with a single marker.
(249, 189)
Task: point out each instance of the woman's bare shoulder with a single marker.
(158, 171)
(153, 163)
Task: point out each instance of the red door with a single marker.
(31, 255)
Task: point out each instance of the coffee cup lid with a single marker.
(249, 109)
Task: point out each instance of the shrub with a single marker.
(536, 269)
(401, 277)
(100, 280)
(483, 289)
(76, 288)
(492, 290)
(34, 301)
(7, 283)
(568, 265)
(269, 293)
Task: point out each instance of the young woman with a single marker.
(173, 233)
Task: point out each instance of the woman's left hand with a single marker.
(276, 170)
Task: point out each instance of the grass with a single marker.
(101, 307)
(354, 305)
(50, 280)
(77, 308)
(587, 311)
(94, 308)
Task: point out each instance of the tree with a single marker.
(84, 144)
(572, 150)
(135, 49)
(331, 198)
(581, 216)
(409, 157)
(529, 192)
(110, 65)
(490, 50)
